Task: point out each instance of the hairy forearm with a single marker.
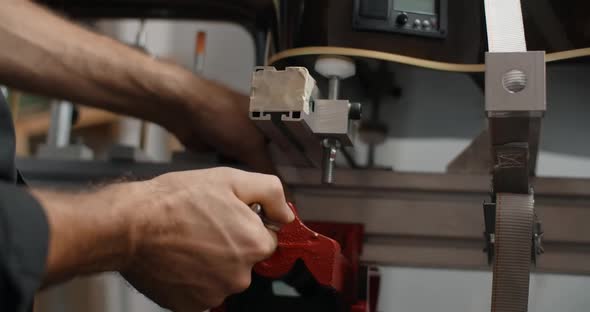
(46, 54)
(89, 232)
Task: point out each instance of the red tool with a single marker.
(331, 268)
(321, 255)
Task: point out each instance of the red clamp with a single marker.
(331, 267)
(321, 255)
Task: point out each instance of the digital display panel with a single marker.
(415, 6)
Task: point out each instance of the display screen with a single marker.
(416, 6)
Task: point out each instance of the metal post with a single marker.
(156, 143)
(61, 124)
(58, 145)
(331, 147)
(333, 88)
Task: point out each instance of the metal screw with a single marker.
(271, 225)
(331, 147)
(333, 88)
(257, 208)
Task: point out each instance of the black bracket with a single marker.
(489, 215)
(537, 240)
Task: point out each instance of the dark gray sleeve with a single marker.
(24, 238)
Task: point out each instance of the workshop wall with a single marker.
(417, 290)
(229, 52)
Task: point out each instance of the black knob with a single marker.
(355, 111)
(401, 19)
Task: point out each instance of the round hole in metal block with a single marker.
(514, 81)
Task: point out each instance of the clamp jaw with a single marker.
(307, 130)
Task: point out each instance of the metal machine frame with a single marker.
(410, 219)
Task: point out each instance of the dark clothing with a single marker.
(7, 144)
(24, 230)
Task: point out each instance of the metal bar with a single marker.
(276, 133)
(436, 221)
(475, 158)
(428, 182)
(430, 228)
(411, 219)
(331, 147)
(333, 88)
(61, 124)
(514, 113)
(300, 130)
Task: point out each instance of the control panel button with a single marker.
(417, 23)
(420, 18)
(401, 19)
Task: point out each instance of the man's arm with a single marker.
(185, 239)
(43, 53)
(46, 54)
(90, 230)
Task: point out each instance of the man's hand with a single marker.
(186, 240)
(198, 242)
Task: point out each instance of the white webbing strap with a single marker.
(514, 212)
(504, 26)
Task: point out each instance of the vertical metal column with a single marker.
(330, 145)
(61, 124)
